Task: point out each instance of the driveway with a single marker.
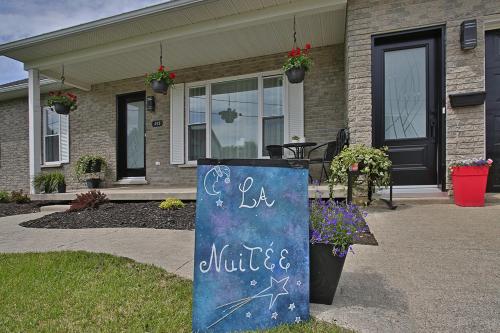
(436, 269)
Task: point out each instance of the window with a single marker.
(235, 118)
(51, 135)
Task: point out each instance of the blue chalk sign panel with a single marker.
(251, 266)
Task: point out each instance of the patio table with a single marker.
(299, 147)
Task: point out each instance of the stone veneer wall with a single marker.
(465, 129)
(93, 125)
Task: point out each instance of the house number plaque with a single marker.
(157, 123)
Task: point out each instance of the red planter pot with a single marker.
(469, 185)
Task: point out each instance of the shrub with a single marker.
(336, 224)
(373, 163)
(4, 197)
(48, 182)
(90, 200)
(171, 204)
(89, 164)
(19, 197)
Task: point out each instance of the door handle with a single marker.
(433, 125)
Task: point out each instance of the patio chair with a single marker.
(333, 148)
(275, 152)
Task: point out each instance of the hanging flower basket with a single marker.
(160, 80)
(63, 103)
(469, 179)
(297, 64)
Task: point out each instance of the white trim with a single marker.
(492, 23)
(208, 111)
(45, 135)
(34, 127)
(226, 23)
(24, 85)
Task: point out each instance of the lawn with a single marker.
(80, 291)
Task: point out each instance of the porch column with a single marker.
(35, 125)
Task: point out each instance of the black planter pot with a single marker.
(160, 87)
(61, 108)
(325, 270)
(94, 167)
(61, 188)
(93, 183)
(296, 75)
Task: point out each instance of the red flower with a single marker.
(161, 68)
(172, 75)
(297, 51)
(308, 46)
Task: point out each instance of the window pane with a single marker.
(197, 137)
(196, 124)
(235, 119)
(135, 135)
(405, 94)
(273, 122)
(273, 96)
(52, 148)
(51, 122)
(197, 105)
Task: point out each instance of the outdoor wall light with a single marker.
(150, 103)
(468, 34)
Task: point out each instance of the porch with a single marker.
(151, 193)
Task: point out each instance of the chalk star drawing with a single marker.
(274, 315)
(212, 179)
(253, 283)
(291, 306)
(297, 320)
(248, 315)
(275, 290)
(299, 283)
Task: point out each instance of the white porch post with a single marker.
(35, 124)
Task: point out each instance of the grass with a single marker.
(81, 291)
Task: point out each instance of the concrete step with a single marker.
(54, 208)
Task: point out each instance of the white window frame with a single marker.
(44, 135)
(208, 111)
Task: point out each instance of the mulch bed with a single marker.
(12, 208)
(134, 215)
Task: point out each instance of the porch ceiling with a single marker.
(195, 33)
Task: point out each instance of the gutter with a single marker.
(85, 27)
(24, 85)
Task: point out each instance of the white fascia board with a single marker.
(86, 27)
(269, 14)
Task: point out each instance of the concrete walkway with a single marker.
(437, 268)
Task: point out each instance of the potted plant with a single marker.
(50, 182)
(160, 80)
(297, 64)
(333, 229)
(373, 169)
(63, 103)
(469, 178)
(89, 168)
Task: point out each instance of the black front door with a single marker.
(131, 135)
(406, 99)
(493, 107)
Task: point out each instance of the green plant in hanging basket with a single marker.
(298, 58)
(68, 99)
(162, 74)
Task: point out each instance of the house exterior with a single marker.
(382, 68)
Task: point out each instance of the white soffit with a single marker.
(222, 30)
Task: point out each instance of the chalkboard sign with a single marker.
(251, 268)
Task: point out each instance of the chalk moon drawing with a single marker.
(212, 178)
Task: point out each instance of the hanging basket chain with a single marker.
(294, 33)
(161, 54)
(62, 77)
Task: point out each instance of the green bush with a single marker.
(171, 204)
(88, 164)
(373, 163)
(19, 197)
(48, 182)
(4, 197)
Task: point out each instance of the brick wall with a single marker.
(14, 154)
(93, 125)
(465, 132)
